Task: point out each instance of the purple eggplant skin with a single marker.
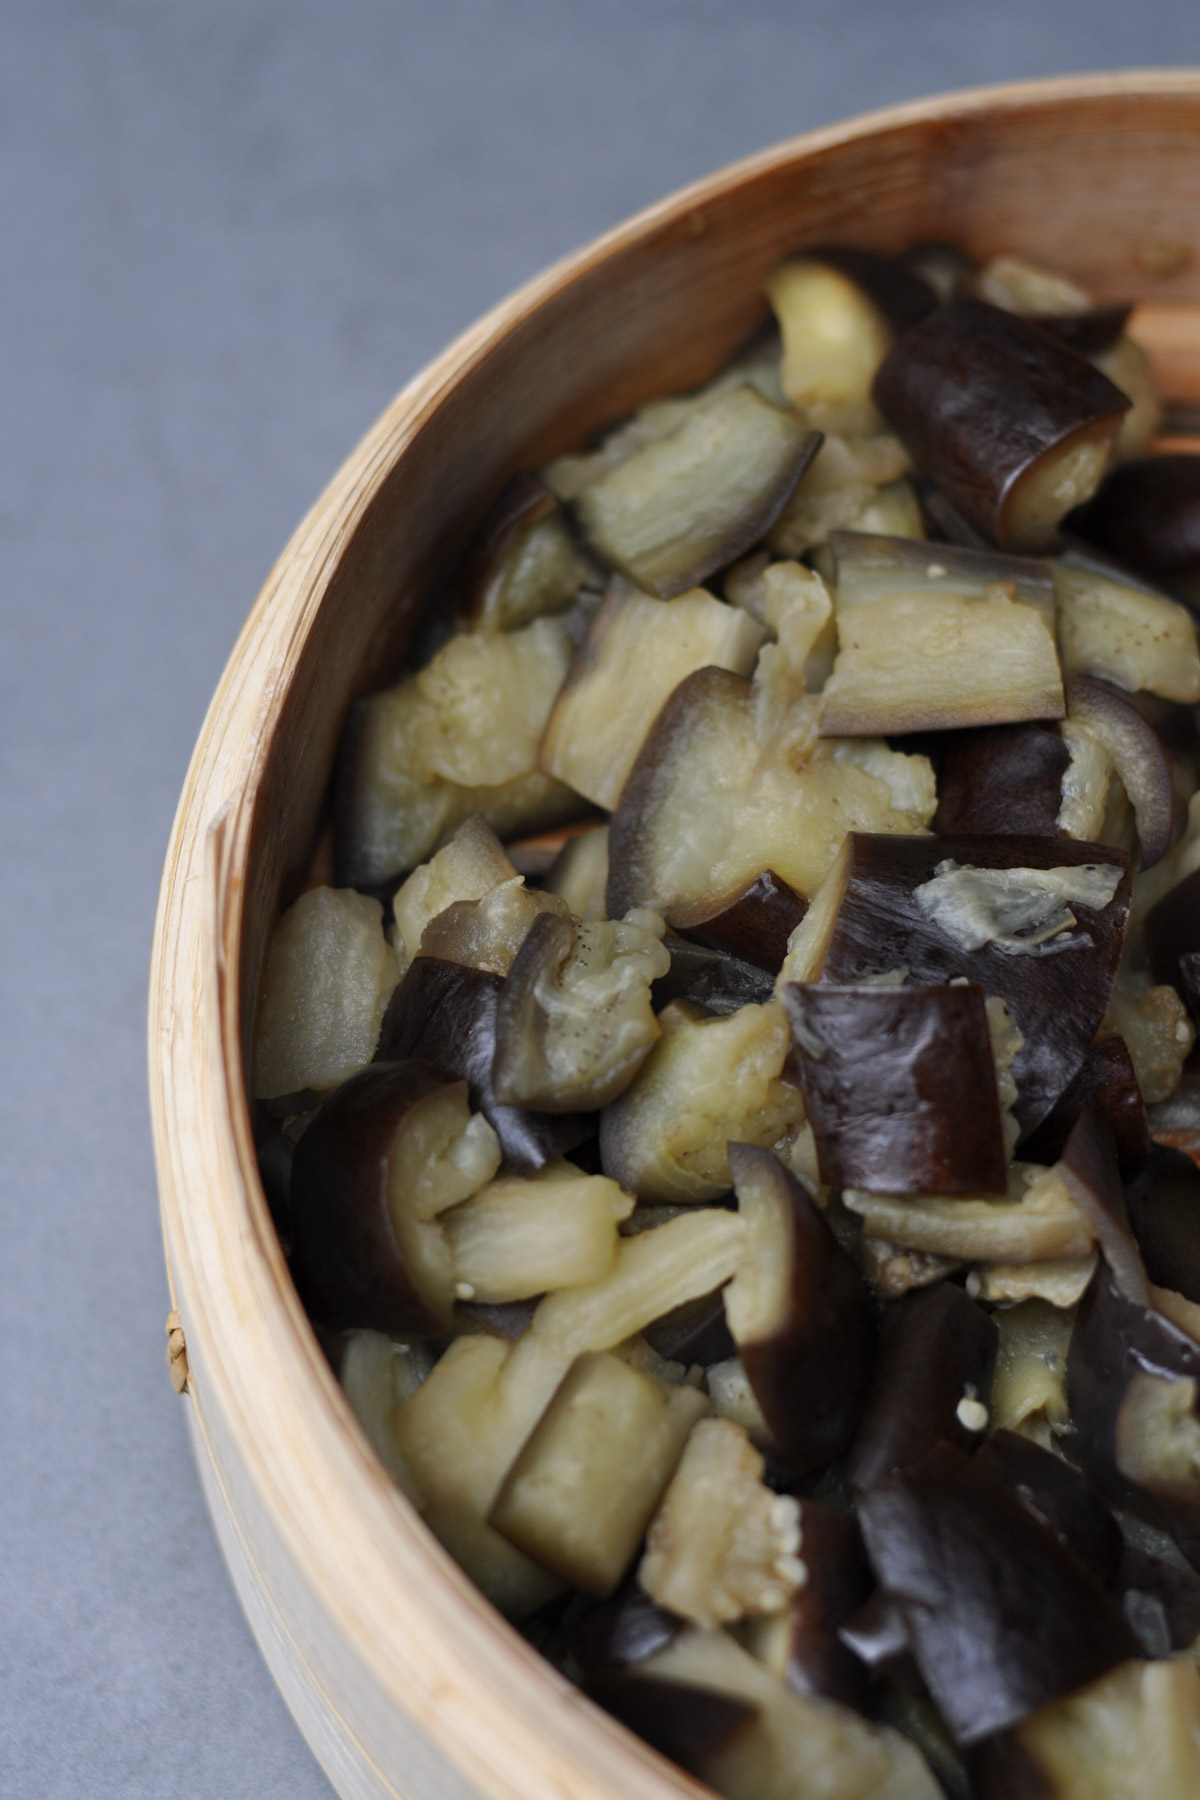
(810, 1368)
(1058, 1001)
(878, 1636)
(1092, 1176)
(1147, 771)
(446, 1012)
(944, 267)
(521, 502)
(711, 978)
(348, 1266)
(1173, 931)
(754, 925)
(1058, 1494)
(936, 1346)
(1003, 779)
(1118, 1335)
(616, 1634)
(979, 396)
(1164, 1215)
(688, 1724)
(1107, 1080)
(900, 1087)
(1147, 513)
(695, 1333)
(839, 1582)
(900, 291)
(1160, 1598)
(1001, 1617)
(507, 1319)
(1091, 332)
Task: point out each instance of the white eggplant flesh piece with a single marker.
(1002, 1619)
(446, 1012)
(1058, 1494)
(583, 1488)
(899, 1085)
(800, 1313)
(1014, 427)
(838, 310)
(635, 655)
(707, 1080)
(1061, 1283)
(1107, 1080)
(1133, 1734)
(856, 483)
(468, 867)
(488, 933)
(522, 562)
(721, 1546)
(928, 660)
(391, 1149)
(1164, 1215)
(1029, 1393)
(1140, 759)
(1158, 1032)
(753, 924)
(330, 974)
(579, 874)
(869, 567)
(1114, 630)
(574, 1020)
(378, 1374)
(1036, 1222)
(793, 1746)
(680, 509)
(1003, 779)
(868, 921)
(518, 1237)
(1147, 515)
(1030, 289)
(932, 1382)
(457, 737)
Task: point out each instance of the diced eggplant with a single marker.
(1003, 779)
(1147, 514)
(1160, 1593)
(1132, 1734)
(1001, 1617)
(753, 924)
(685, 1722)
(446, 1012)
(1029, 1386)
(870, 567)
(733, 1398)
(707, 1080)
(801, 1644)
(800, 1313)
(1036, 1222)
(1164, 1214)
(488, 933)
(378, 1374)
(522, 563)
(1089, 332)
(1055, 1492)
(838, 311)
(893, 1270)
(579, 873)
(330, 974)
(936, 1350)
(695, 1334)
(1106, 1080)
(636, 653)
(856, 483)
(900, 1087)
(1157, 1030)
(517, 1237)
(867, 920)
(943, 267)
(459, 736)
(721, 1545)
(681, 508)
(1128, 366)
(1014, 427)
(1113, 628)
(621, 1632)
(794, 1746)
(1172, 928)
(897, 285)
(1140, 759)
(1089, 1171)
(574, 1021)
(878, 1636)
(391, 1149)
(468, 867)
(1030, 289)
(1062, 1283)
(584, 1486)
(711, 980)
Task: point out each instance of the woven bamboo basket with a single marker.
(403, 1679)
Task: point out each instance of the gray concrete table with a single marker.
(230, 230)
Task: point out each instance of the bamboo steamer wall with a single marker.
(403, 1679)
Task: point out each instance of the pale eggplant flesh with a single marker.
(936, 1348)
(900, 1087)
(1057, 1000)
(983, 400)
(446, 1012)
(897, 286)
(1001, 1617)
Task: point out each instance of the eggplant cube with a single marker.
(582, 1491)
(900, 1087)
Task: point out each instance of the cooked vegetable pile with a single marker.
(731, 1116)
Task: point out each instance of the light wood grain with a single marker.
(404, 1680)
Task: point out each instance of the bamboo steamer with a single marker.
(403, 1679)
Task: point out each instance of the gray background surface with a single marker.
(229, 231)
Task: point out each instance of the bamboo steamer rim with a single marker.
(501, 1714)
